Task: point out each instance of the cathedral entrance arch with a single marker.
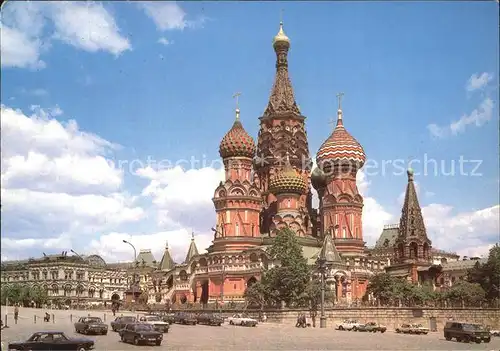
(204, 292)
(115, 297)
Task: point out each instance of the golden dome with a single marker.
(281, 37)
(288, 181)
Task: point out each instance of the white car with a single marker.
(420, 329)
(156, 322)
(243, 320)
(494, 332)
(349, 324)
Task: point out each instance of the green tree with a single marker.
(487, 275)
(286, 282)
(464, 292)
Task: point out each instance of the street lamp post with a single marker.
(322, 269)
(135, 259)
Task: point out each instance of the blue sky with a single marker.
(420, 80)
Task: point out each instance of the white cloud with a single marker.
(166, 15)
(477, 117)
(111, 247)
(478, 81)
(19, 50)
(183, 197)
(25, 32)
(56, 182)
(169, 15)
(465, 232)
(164, 41)
(88, 26)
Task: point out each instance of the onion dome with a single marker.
(340, 147)
(237, 142)
(318, 179)
(288, 181)
(281, 39)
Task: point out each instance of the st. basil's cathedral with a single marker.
(268, 186)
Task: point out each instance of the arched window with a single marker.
(344, 232)
(237, 229)
(289, 203)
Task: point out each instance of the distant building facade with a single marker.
(69, 280)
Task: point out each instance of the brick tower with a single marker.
(282, 130)
(412, 244)
(340, 157)
(237, 200)
(412, 248)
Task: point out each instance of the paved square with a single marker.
(263, 337)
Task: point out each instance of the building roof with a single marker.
(329, 251)
(237, 142)
(388, 237)
(288, 180)
(411, 224)
(340, 146)
(192, 251)
(166, 263)
(461, 264)
(282, 99)
(146, 258)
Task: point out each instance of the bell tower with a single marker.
(282, 131)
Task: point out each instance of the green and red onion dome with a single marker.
(237, 142)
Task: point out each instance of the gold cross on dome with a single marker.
(339, 98)
(237, 96)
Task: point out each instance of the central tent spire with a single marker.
(282, 99)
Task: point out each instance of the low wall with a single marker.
(390, 317)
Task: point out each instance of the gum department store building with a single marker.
(267, 187)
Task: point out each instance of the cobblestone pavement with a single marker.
(264, 337)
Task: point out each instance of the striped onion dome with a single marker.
(288, 181)
(237, 142)
(340, 147)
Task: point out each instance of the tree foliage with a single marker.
(24, 295)
(487, 275)
(288, 282)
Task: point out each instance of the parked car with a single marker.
(120, 322)
(404, 329)
(419, 329)
(493, 332)
(52, 340)
(349, 324)
(210, 319)
(167, 317)
(185, 318)
(372, 327)
(91, 325)
(466, 332)
(156, 322)
(141, 333)
(243, 320)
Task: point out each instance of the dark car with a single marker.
(372, 327)
(91, 325)
(141, 333)
(185, 318)
(120, 322)
(466, 332)
(52, 340)
(209, 319)
(168, 317)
